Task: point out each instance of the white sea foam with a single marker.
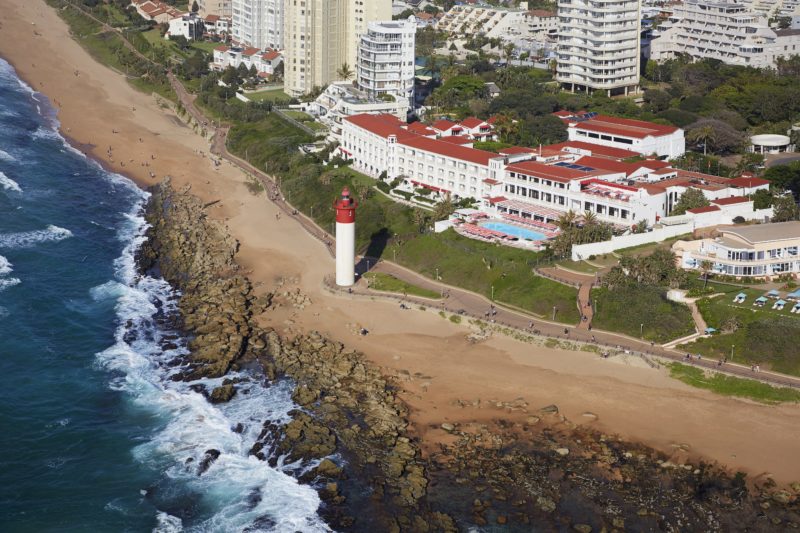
(5, 156)
(5, 283)
(168, 524)
(45, 132)
(5, 270)
(9, 184)
(26, 239)
(238, 490)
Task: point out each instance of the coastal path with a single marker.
(584, 282)
(467, 303)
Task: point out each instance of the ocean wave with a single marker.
(5, 266)
(26, 239)
(237, 491)
(9, 184)
(5, 283)
(45, 132)
(5, 156)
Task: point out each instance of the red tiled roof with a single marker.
(212, 18)
(596, 149)
(456, 139)
(607, 164)
(490, 181)
(497, 199)
(706, 209)
(560, 174)
(436, 146)
(563, 113)
(624, 127)
(541, 13)
(382, 125)
(471, 122)
(250, 51)
(731, 200)
(443, 125)
(742, 182)
(221, 48)
(270, 55)
(422, 129)
(514, 150)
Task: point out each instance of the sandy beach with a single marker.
(436, 364)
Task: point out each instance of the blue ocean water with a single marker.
(95, 437)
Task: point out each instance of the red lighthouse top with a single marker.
(345, 207)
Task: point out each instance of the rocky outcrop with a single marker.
(195, 254)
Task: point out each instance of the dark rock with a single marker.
(208, 459)
(222, 393)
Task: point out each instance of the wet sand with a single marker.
(432, 358)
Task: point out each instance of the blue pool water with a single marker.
(516, 231)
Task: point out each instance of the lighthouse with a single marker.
(345, 207)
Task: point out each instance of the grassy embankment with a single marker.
(643, 312)
(388, 283)
(763, 336)
(732, 386)
(388, 229)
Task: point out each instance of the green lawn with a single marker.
(732, 386)
(479, 266)
(579, 266)
(641, 311)
(205, 46)
(388, 283)
(305, 119)
(271, 95)
(647, 249)
(755, 335)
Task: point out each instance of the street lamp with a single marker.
(554, 313)
(641, 330)
(437, 273)
(492, 292)
(732, 347)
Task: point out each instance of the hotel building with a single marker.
(599, 45)
(258, 23)
(539, 184)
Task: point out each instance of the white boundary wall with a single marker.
(583, 251)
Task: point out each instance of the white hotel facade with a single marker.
(539, 184)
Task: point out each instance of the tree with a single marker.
(702, 135)
(195, 7)
(640, 227)
(785, 177)
(762, 199)
(508, 51)
(705, 268)
(691, 199)
(784, 209)
(443, 209)
(344, 72)
(420, 218)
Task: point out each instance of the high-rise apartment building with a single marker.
(320, 36)
(598, 45)
(221, 8)
(258, 23)
(385, 64)
(728, 31)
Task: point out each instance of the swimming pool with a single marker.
(516, 231)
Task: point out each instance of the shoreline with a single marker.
(634, 402)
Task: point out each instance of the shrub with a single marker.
(405, 194)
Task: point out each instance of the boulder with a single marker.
(223, 393)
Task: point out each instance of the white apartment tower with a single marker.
(221, 8)
(258, 23)
(599, 45)
(385, 64)
(728, 31)
(322, 35)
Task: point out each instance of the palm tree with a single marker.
(508, 50)
(705, 267)
(704, 135)
(345, 72)
(432, 64)
(567, 220)
(589, 218)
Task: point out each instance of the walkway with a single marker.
(584, 283)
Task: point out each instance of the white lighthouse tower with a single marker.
(345, 207)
